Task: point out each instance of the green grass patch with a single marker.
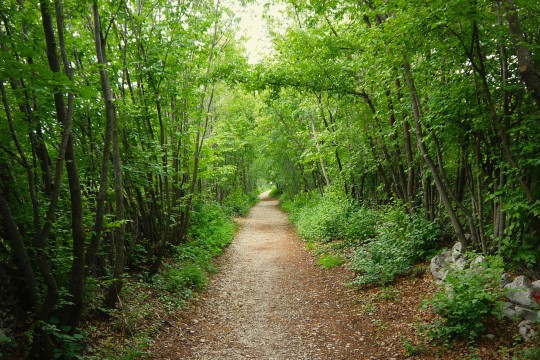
(329, 261)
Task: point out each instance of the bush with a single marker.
(465, 300)
(388, 240)
(238, 202)
(210, 230)
(274, 192)
(361, 225)
(400, 241)
(190, 276)
(325, 218)
(330, 217)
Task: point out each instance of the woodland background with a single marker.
(131, 128)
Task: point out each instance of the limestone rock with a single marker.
(519, 292)
(535, 285)
(508, 311)
(439, 264)
(526, 331)
(459, 263)
(457, 251)
(478, 262)
(535, 292)
(505, 279)
(526, 313)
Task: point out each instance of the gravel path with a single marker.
(270, 301)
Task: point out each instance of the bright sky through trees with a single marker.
(254, 29)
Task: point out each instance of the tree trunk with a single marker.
(415, 103)
(20, 253)
(112, 126)
(527, 70)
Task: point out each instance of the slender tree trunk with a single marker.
(112, 126)
(415, 102)
(104, 174)
(318, 145)
(529, 74)
(20, 253)
(70, 314)
(406, 128)
(501, 130)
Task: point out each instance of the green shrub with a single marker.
(400, 241)
(532, 353)
(238, 202)
(361, 225)
(274, 192)
(189, 276)
(324, 220)
(210, 228)
(468, 296)
(330, 217)
(388, 240)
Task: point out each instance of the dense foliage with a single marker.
(431, 105)
(471, 296)
(123, 142)
(385, 241)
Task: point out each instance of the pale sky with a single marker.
(253, 27)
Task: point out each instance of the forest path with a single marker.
(270, 301)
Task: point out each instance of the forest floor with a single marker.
(271, 301)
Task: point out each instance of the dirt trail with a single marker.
(270, 301)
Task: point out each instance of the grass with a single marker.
(329, 261)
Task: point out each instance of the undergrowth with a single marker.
(381, 243)
(238, 202)
(385, 241)
(467, 299)
(146, 305)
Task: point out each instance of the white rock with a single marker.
(457, 251)
(526, 313)
(519, 292)
(535, 285)
(478, 263)
(526, 331)
(440, 264)
(459, 264)
(508, 310)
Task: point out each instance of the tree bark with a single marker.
(415, 103)
(112, 128)
(20, 253)
(527, 70)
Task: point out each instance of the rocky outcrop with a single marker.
(447, 260)
(523, 304)
(520, 292)
(523, 295)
